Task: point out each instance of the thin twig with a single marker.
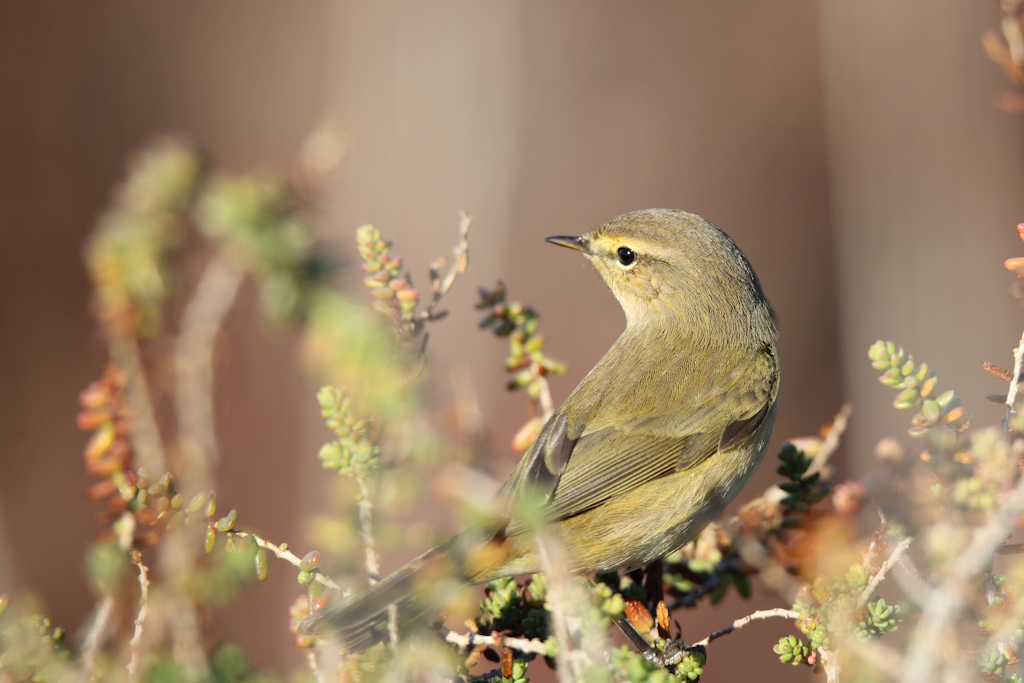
(94, 637)
(282, 552)
(876, 580)
(441, 284)
(691, 598)
(470, 640)
(831, 441)
(547, 405)
(177, 559)
(147, 446)
(1011, 397)
(366, 531)
(830, 665)
(140, 616)
(743, 621)
(372, 556)
(569, 657)
(214, 295)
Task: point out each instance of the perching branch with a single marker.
(470, 640)
(743, 621)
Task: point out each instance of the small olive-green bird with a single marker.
(649, 448)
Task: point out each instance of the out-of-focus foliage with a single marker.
(526, 360)
(126, 255)
(261, 225)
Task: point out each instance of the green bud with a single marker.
(261, 564)
(315, 590)
(227, 523)
(907, 399)
(891, 377)
(310, 561)
(198, 501)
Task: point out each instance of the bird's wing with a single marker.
(582, 473)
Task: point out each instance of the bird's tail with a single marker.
(362, 620)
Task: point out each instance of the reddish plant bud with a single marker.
(506, 663)
(527, 434)
(639, 616)
(89, 420)
(100, 442)
(94, 396)
(663, 623)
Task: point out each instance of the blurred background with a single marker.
(852, 149)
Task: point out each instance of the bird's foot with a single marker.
(672, 654)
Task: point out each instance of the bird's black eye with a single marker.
(626, 256)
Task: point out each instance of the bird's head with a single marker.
(670, 267)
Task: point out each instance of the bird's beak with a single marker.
(577, 243)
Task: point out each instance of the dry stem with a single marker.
(471, 640)
(140, 617)
(894, 557)
(743, 621)
(282, 552)
(147, 446)
(193, 366)
(94, 637)
(1011, 397)
(366, 531)
(441, 284)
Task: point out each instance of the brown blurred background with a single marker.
(851, 148)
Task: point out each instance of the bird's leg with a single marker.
(672, 652)
(639, 642)
(669, 656)
(654, 584)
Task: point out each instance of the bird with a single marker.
(651, 446)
